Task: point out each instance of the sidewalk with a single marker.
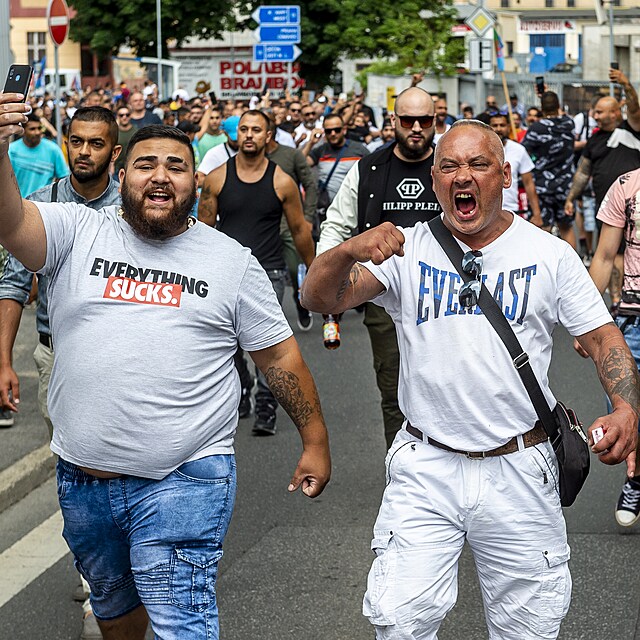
(25, 458)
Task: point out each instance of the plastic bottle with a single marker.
(331, 331)
(302, 272)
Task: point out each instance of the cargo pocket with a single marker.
(555, 594)
(193, 577)
(379, 600)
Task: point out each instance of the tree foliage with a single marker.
(106, 25)
(391, 31)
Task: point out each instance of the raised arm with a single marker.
(336, 282)
(291, 383)
(21, 227)
(633, 108)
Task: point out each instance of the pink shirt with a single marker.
(621, 209)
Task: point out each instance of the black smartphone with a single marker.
(614, 65)
(265, 88)
(540, 84)
(212, 97)
(18, 79)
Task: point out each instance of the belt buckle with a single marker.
(476, 455)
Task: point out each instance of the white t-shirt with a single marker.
(457, 382)
(145, 333)
(216, 157)
(437, 136)
(516, 155)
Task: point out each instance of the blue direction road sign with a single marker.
(275, 52)
(277, 15)
(286, 34)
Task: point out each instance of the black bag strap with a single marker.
(502, 327)
(54, 192)
(324, 184)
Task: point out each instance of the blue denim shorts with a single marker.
(152, 542)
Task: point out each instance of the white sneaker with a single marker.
(628, 508)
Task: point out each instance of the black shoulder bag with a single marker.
(562, 425)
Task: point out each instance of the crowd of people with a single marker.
(192, 216)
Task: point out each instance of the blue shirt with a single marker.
(15, 282)
(36, 167)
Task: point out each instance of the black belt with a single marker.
(45, 339)
(529, 439)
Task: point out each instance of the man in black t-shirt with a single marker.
(612, 150)
(394, 184)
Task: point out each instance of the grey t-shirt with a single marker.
(145, 333)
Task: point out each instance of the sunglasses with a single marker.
(123, 115)
(294, 110)
(469, 292)
(308, 113)
(330, 130)
(407, 122)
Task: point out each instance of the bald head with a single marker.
(493, 140)
(607, 113)
(414, 100)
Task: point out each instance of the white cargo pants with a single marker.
(506, 507)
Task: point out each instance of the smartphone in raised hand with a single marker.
(539, 85)
(18, 79)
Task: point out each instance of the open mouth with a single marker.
(159, 197)
(465, 204)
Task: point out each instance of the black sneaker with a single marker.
(265, 424)
(305, 319)
(246, 404)
(628, 509)
(6, 418)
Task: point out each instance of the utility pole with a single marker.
(6, 56)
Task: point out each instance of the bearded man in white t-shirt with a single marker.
(471, 463)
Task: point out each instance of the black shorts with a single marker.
(552, 210)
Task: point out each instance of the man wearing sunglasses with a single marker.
(393, 184)
(472, 462)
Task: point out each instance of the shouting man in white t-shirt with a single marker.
(472, 462)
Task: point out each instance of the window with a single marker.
(504, 4)
(509, 49)
(548, 3)
(571, 3)
(36, 45)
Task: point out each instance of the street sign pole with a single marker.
(58, 21)
(58, 96)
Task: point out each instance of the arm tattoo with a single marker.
(350, 281)
(285, 386)
(580, 179)
(618, 373)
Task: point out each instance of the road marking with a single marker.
(31, 556)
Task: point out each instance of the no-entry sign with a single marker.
(58, 20)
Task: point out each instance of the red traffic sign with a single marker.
(58, 20)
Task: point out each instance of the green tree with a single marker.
(392, 31)
(106, 25)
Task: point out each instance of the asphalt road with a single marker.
(296, 568)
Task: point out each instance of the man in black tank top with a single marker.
(245, 198)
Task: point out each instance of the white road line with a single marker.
(31, 556)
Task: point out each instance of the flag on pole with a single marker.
(75, 83)
(499, 46)
(40, 66)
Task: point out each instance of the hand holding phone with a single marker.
(540, 86)
(18, 80)
(614, 65)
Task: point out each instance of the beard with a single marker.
(90, 173)
(155, 228)
(413, 151)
